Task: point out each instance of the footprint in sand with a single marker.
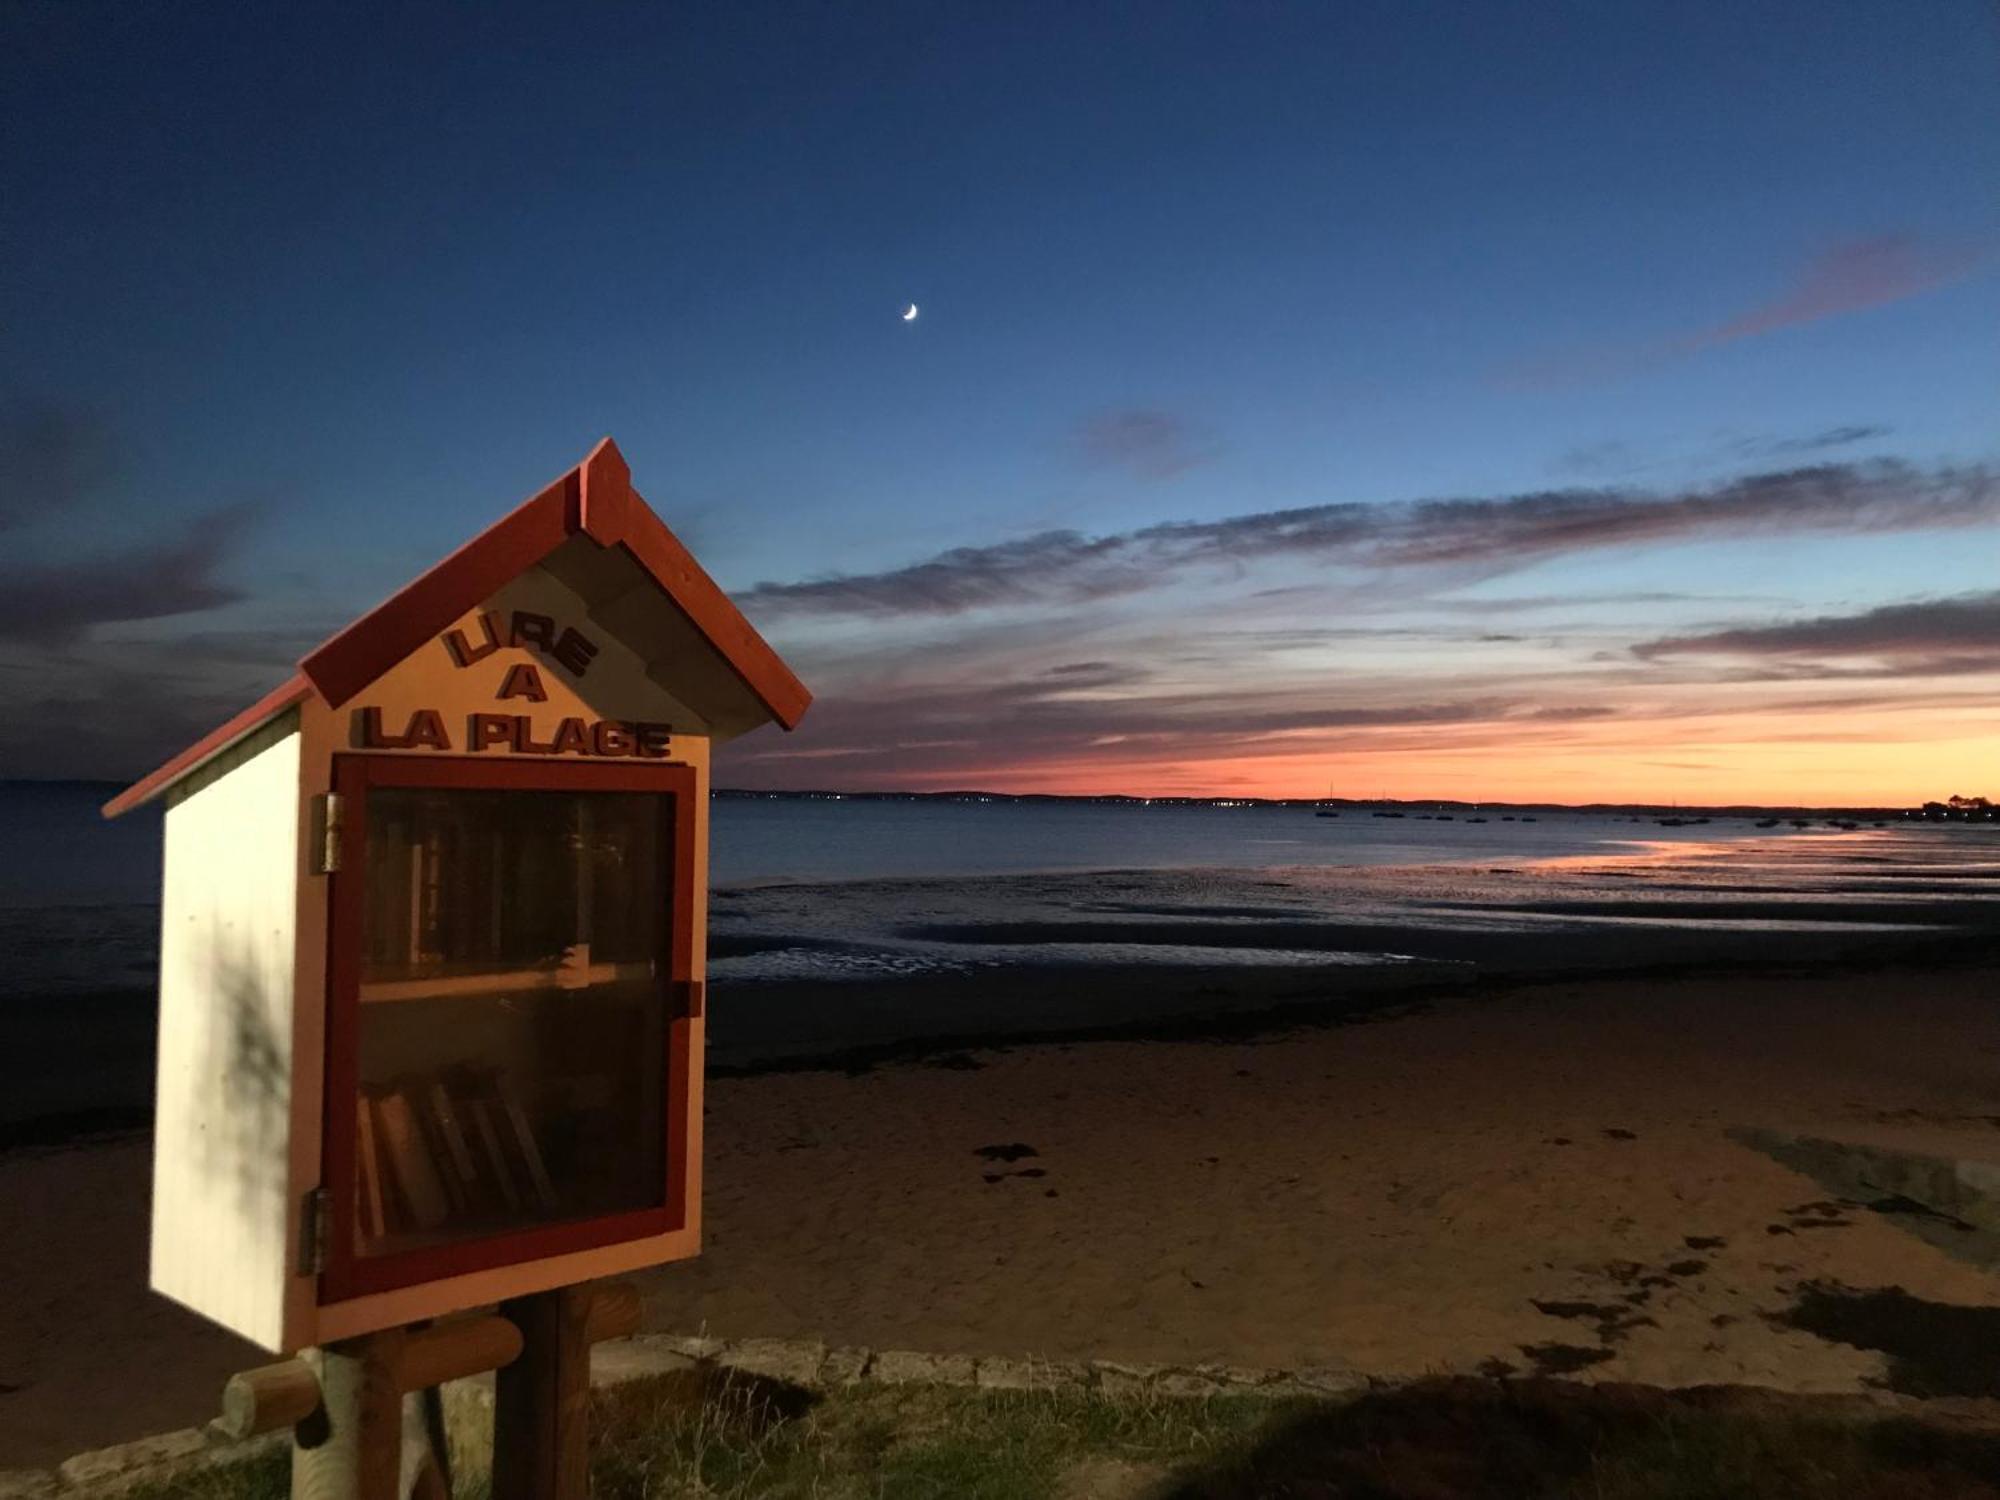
(1011, 1151)
(1821, 1215)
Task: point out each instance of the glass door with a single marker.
(506, 1058)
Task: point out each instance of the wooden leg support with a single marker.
(361, 1429)
(541, 1438)
(360, 1454)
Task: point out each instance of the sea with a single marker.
(852, 923)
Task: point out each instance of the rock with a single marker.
(102, 1464)
(1236, 1377)
(1027, 1375)
(1185, 1385)
(1328, 1380)
(694, 1346)
(904, 1367)
(776, 1359)
(620, 1360)
(844, 1366)
(1116, 1377)
(27, 1484)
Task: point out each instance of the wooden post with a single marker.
(361, 1429)
(359, 1455)
(267, 1398)
(541, 1447)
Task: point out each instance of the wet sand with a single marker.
(1536, 1176)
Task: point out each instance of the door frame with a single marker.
(346, 1275)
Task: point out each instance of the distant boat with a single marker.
(1475, 820)
(1767, 822)
(1326, 813)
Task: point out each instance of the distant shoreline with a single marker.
(1426, 804)
(1132, 799)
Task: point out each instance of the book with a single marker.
(374, 1222)
(445, 1114)
(417, 1179)
(503, 1174)
(524, 1139)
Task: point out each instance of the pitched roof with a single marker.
(595, 499)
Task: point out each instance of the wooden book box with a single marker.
(432, 931)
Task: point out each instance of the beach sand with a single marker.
(1393, 1195)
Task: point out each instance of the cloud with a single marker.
(1077, 675)
(967, 578)
(1485, 535)
(1922, 637)
(903, 734)
(1150, 443)
(1847, 278)
(1530, 603)
(51, 457)
(1617, 459)
(55, 603)
(1842, 436)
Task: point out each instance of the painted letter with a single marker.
(609, 737)
(426, 731)
(532, 630)
(653, 739)
(368, 733)
(572, 738)
(524, 681)
(573, 651)
(489, 729)
(465, 655)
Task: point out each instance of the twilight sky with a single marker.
(1577, 401)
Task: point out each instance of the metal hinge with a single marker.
(329, 833)
(314, 1216)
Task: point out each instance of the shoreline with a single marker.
(1155, 1003)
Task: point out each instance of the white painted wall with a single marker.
(222, 1130)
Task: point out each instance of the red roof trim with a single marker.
(597, 498)
(295, 689)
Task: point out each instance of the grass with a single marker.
(746, 1438)
(725, 1437)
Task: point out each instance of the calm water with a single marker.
(929, 919)
(56, 851)
(78, 895)
(817, 841)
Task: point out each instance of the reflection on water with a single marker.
(1624, 902)
(829, 890)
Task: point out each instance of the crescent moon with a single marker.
(910, 313)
